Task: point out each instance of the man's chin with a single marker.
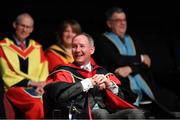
(79, 62)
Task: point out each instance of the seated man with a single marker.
(87, 90)
(120, 53)
(23, 69)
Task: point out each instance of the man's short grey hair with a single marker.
(90, 39)
(20, 16)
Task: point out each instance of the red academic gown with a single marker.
(65, 76)
(13, 62)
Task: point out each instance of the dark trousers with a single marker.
(121, 114)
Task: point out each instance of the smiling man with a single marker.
(121, 53)
(23, 68)
(87, 90)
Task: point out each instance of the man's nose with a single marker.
(78, 48)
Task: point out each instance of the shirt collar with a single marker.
(17, 41)
(87, 67)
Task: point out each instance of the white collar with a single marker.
(87, 67)
(18, 42)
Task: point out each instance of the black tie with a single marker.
(122, 39)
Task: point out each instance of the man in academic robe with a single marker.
(24, 68)
(86, 89)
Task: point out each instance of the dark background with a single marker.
(156, 23)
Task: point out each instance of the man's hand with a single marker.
(101, 80)
(123, 71)
(40, 90)
(102, 86)
(36, 84)
(146, 60)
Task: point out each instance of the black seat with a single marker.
(52, 110)
(2, 110)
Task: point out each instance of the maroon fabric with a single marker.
(114, 102)
(22, 45)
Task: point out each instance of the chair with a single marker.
(52, 110)
(2, 110)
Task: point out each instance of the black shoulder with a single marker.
(101, 70)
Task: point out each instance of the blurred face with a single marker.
(67, 36)
(82, 50)
(23, 28)
(118, 23)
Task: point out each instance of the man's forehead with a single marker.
(116, 14)
(80, 38)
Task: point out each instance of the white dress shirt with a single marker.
(87, 67)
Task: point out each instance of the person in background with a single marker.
(24, 68)
(88, 89)
(121, 54)
(60, 53)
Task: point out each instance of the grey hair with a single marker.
(90, 39)
(20, 16)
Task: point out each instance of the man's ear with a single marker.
(14, 25)
(108, 23)
(92, 50)
(32, 29)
